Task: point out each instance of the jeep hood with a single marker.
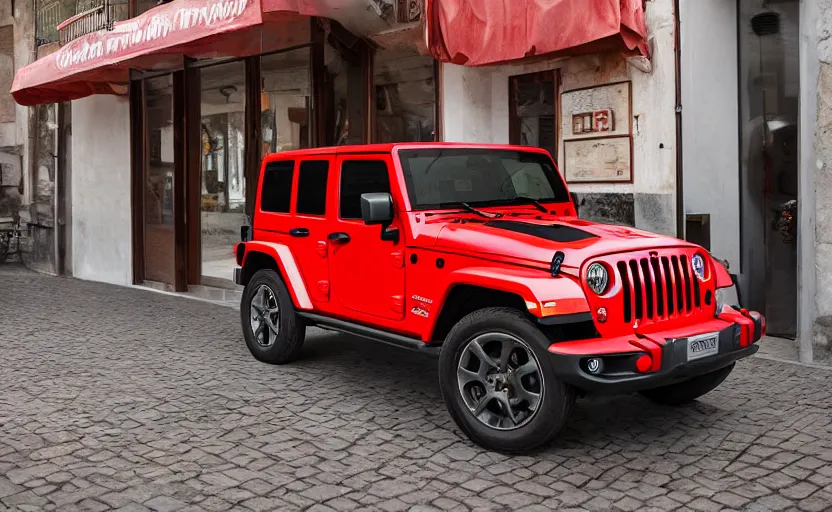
(535, 241)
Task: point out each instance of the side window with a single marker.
(276, 193)
(312, 187)
(361, 177)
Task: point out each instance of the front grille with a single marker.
(659, 288)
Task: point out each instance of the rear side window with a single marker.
(361, 177)
(312, 179)
(276, 193)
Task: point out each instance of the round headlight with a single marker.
(597, 278)
(698, 263)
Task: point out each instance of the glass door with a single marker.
(222, 166)
(159, 241)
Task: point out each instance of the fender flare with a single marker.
(288, 268)
(545, 296)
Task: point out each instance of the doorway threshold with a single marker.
(226, 295)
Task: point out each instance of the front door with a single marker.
(367, 272)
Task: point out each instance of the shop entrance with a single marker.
(769, 89)
(200, 132)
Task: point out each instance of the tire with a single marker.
(281, 347)
(689, 390)
(556, 398)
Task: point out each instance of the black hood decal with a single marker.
(552, 232)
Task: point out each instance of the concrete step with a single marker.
(215, 294)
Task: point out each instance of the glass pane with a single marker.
(222, 136)
(405, 96)
(344, 88)
(769, 93)
(533, 108)
(285, 100)
(158, 202)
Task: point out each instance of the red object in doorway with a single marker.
(480, 32)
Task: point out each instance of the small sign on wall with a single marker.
(598, 121)
(598, 147)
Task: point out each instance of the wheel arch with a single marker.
(534, 294)
(278, 258)
(463, 299)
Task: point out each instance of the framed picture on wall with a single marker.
(598, 160)
(597, 126)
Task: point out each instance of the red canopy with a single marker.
(157, 39)
(480, 32)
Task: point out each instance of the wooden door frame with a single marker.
(193, 179)
(137, 147)
(139, 157)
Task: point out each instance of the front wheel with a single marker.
(498, 383)
(689, 390)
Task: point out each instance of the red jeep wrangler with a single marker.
(476, 253)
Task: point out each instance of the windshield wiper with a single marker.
(481, 213)
(534, 202)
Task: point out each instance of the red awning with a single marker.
(157, 39)
(480, 32)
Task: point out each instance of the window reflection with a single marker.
(222, 138)
(285, 101)
(344, 89)
(158, 200)
(405, 96)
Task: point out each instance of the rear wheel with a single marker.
(498, 383)
(272, 329)
(689, 390)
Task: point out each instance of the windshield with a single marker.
(449, 177)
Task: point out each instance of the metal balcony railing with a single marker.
(92, 15)
(48, 17)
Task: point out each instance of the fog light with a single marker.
(595, 365)
(644, 363)
(601, 315)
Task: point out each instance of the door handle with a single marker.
(339, 238)
(299, 232)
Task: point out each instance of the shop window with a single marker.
(276, 194)
(285, 101)
(361, 177)
(312, 180)
(405, 96)
(223, 163)
(532, 111)
(344, 90)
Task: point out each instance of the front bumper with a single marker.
(643, 361)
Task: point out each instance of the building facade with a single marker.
(699, 119)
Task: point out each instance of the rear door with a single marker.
(309, 227)
(367, 272)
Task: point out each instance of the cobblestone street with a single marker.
(121, 398)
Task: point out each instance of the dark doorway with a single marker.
(533, 110)
(769, 90)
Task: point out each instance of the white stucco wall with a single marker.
(101, 217)
(710, 120)
(476, 103)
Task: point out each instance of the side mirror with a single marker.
(376, 208)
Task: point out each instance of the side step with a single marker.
(363, 331)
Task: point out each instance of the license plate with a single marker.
(703, 346)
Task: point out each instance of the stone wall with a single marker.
(823, 180)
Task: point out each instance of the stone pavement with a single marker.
(113, 397)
